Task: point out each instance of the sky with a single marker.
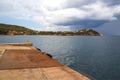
(63, 15)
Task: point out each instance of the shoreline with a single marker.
(51, 35)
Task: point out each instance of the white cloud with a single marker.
(100, 11)
(65, 15)
(49, 13)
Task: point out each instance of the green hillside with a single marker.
(6, 29)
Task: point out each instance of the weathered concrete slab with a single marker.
(27, 63)
(16, 59)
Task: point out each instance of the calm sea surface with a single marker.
(98, 57)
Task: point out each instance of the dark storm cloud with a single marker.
(112, 2)
(77, 24)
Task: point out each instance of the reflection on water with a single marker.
(98, 57)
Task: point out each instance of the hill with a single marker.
(88, 32)
(82, 32)
(6, 29)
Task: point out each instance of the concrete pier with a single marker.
(21, 61)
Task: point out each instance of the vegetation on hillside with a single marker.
(6, 29)
(19, 30)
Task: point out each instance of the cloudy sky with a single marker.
(63, 15)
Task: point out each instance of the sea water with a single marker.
(97, 57)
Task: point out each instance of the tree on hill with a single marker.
(6, 29)
(14, 30)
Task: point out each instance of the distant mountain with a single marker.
(6, 29)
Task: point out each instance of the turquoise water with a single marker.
(98, 57)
